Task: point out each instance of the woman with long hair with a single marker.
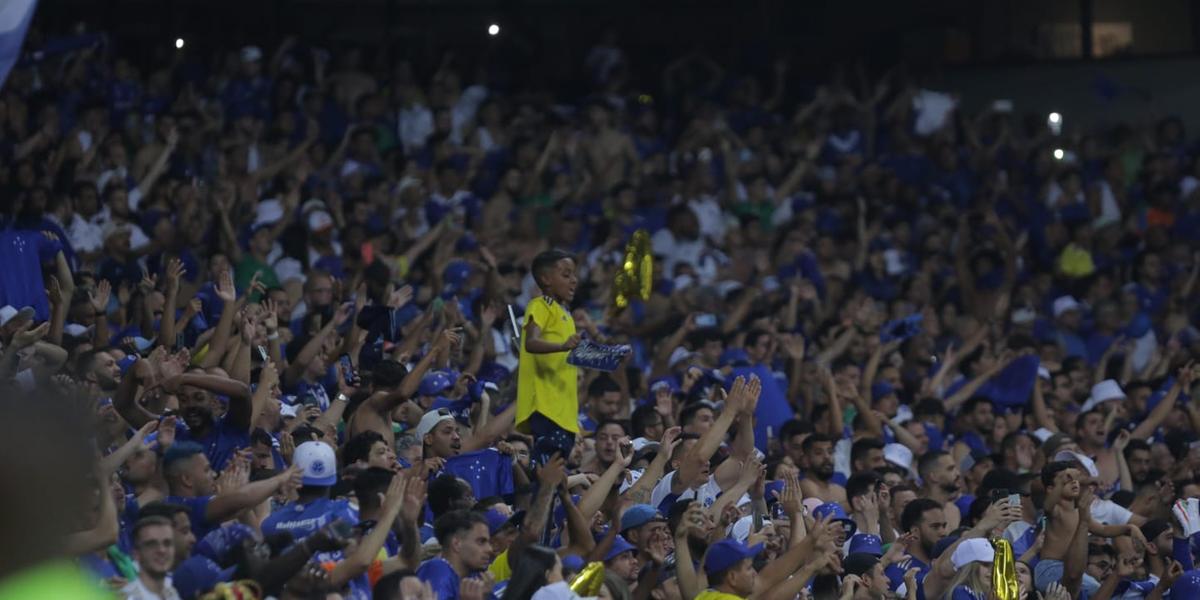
(972, 561)
(535, 567)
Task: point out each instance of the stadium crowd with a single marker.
(305, 316)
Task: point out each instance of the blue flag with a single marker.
(15, 16)
(488, 472)
(1014, 383)
(601, 357)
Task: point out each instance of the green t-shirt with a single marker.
(245, 270)
(56, 580)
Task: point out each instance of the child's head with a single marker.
(554, 272)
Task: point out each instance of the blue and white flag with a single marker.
(15, 16)
(602, 357)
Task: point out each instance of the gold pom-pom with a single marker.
(589, 581)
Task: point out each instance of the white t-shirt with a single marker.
(707, 493)
(135, 590)
(1107, 512)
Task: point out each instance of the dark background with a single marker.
(1103, 58)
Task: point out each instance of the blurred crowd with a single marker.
(275, 300)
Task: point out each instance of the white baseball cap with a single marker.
(1102, 392)
(679, 354)
(317, 462)
(431, 420)
(899, 455)
(1089, 465)
(7, 312)
(1063, 304)
(972, 550)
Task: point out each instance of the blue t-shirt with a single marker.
(963, 592)
(197, 513)
(773, 409)
(302, 520)
(895, 576)
(441, 577)
(223, 440)
(487, 471)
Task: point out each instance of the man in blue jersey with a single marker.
(193, 483)
(466, 550)
(317, 464)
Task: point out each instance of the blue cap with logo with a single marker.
(435, 383)
(727, 553)
(866, 543)
(837, 513)
(198, 575)
(317, 463)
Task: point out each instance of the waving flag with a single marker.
(15, 16)
(487, 471)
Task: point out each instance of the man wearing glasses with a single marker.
(154, 551)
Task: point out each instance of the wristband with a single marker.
(342, 397)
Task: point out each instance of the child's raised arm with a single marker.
(534, 344)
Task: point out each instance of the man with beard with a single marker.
(193, 483)
(943, 483)
(818, 481)
(1137, 455)
(439, 435)
(220, 436)
(603, 403)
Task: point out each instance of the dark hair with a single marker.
(642, 416)
(752, 337)
(388, 586)
(814, 439)
(388, 374)
(1010, 440)
(444, 492)
(483, 504)
(167, 510)
(688, 414)
(529, 572)
(927, 462)
(862, 447)
(455, 522)
(258, 436)
(861, 484)
(369, 484)
(151, 521)
(1134, 446)
(928, 407)
(602, 385)
(359, 447)
(972, 403)
(544, 262)
(793, 428)
(915, 511)
(1052, 470)
(179, 452)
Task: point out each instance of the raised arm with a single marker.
(1159, 414)
(225, 506)
(408, 386)
(228, 295)
(358, 561)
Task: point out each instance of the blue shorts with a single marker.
(1047, 571)
(548, 439)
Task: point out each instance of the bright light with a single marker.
(1058, 154)
(1054, 118)
(493, 29)
(178, 42)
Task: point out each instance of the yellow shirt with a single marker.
(500, 569)
(715, 595)
(545, 382)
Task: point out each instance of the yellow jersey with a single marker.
(546, 384)
(715, 595)
(500, 569)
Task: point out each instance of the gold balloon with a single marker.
(589, 581)
(635, 277)
(1004, 571)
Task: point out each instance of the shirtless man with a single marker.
(610, 153)
(1064, 552)
(943, 484)
(818, 481)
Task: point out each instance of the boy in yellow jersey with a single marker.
(547, 399)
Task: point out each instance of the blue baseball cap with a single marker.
(435, 383)
(573, 563)
(495, 520)
(1187, 586)
(734, 356)
(881, 389)
(835, 511)
(866, 543)
(198, 575)
(638, 515)
(455, 276)
(620, 546)
(727, 553)
(221, 541)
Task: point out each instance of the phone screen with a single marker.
(348, 373)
